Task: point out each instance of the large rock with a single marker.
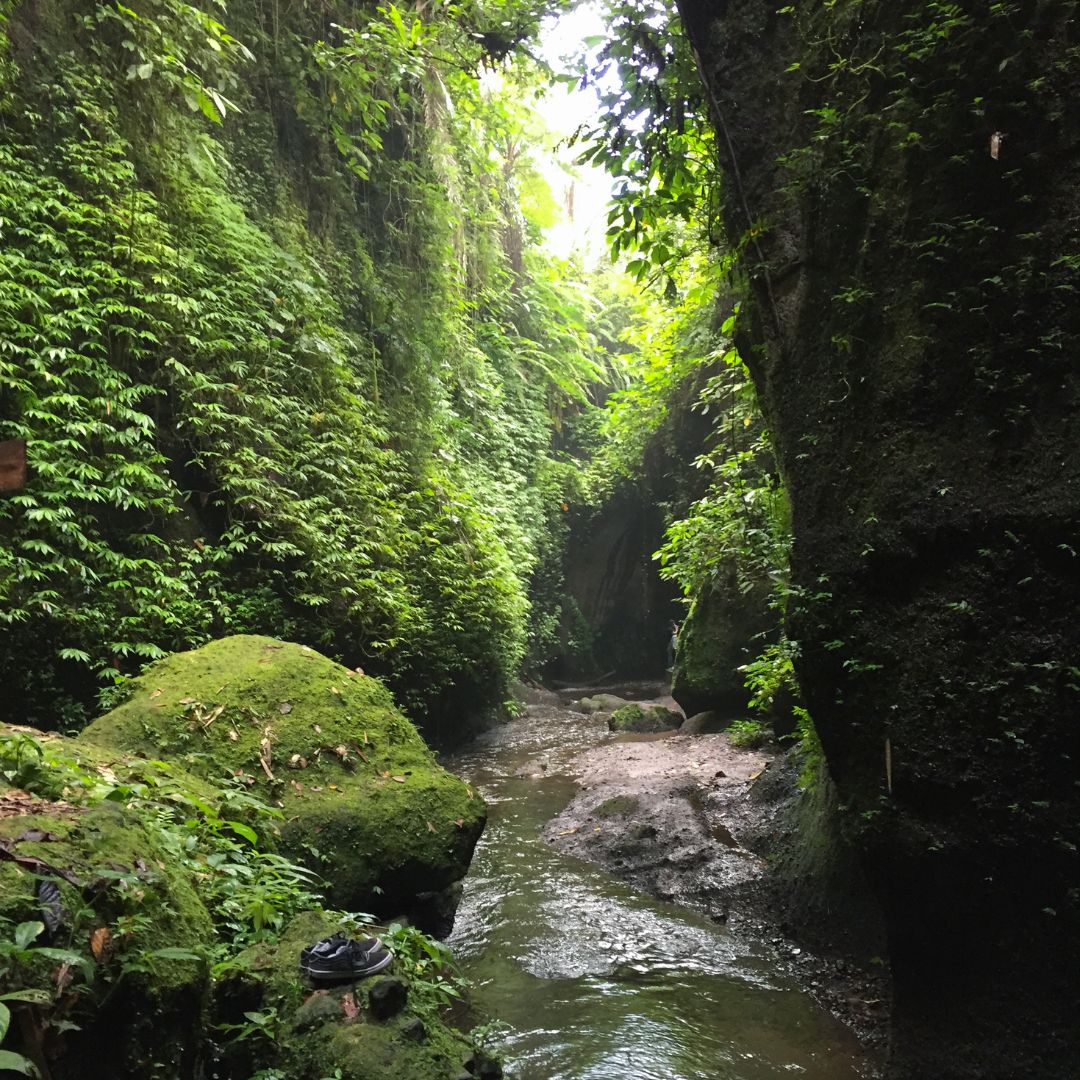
(912, 329)
(705, 723)
(345, 1030)
(364, 802)
(644, 718)
(601, 703)
(724, 629)
(122, 897)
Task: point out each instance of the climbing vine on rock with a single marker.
(277, 364)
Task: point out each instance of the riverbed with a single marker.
(595, 980)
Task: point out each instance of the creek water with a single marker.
(595, 980)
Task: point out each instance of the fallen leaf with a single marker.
(386, 774)
(398, 779)
(318, 730)
(233, 736)
(430, 827)
(187, 701)
(459, 821)
(101, 944)
(334, 690)
(342, 752)
(333, 787)
(156, 693)
(284, 708)
(298, 761)
(349, 1007)
(567, 832)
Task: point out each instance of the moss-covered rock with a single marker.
(644, 718)
(601, 703)
(723, 630)
(123, 898)
(317, 1032)
(365, 803)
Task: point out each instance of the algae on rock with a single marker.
(644, 718)
(365, 803)
(723, 630)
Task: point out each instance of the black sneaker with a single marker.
(342, 959)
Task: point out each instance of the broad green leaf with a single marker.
(246, 831)
(27, 932)
(33, 997)
(17, 1063)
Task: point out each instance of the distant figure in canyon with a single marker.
(673, 643)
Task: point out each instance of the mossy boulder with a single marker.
(365, 804)
(322, 1031)
(601, 703)
(644, 718)
(724, 629)
(123, 899)
(705, 723)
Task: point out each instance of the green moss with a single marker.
(364, 801)
(121, 866)
(317, 1035)
(722, 632)
(138, 1014)
(643, 718)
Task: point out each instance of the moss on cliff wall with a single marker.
(912, 329)
(278, 365)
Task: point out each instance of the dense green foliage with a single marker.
(731, 520)
(281, 343)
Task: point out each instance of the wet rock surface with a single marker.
(694, 820)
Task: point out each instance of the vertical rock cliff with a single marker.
(902, 179)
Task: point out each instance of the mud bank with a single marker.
(727, 831)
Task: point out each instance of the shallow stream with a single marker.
(596, 980)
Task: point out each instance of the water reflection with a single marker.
(597, 981)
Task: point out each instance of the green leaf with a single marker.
(172, 953)
(246, 831)
(27, 932)
(17, 1063)
(33, 997)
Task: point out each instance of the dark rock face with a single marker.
(621, 608)
(913, 331)
(387, 997)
